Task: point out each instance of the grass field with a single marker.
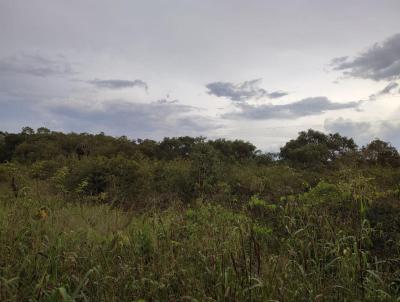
(192, 220)
(52, 250)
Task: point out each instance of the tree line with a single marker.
(309, 150)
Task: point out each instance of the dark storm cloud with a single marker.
(380, 62)
(305, 107)
(35, 65)
(118, 84)
(364, 132)
(242, 91)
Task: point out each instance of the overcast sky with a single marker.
(258, 70)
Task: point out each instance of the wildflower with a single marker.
(42, 214)
(120, 240)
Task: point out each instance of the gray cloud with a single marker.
(17, 112)
(364, 132)
(380, 62)
(304, 107)
(347, 127)
(152, 120)
(388, 89)
(277, 94)
(118, 84)
(36, 65)
(167, 101)
(178, 56)
(242, 91)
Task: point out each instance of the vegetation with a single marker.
(96, 218)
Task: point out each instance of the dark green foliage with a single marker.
(325, 193)
(381, 153)
(197, 220)
(234, 150)
(177, 147)
(173, 180)
(206, 169)
(8, 146)
(313, 148)
(270, 182)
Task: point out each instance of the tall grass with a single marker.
(203, 252)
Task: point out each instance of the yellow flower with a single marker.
(121, 239)
(42, 214)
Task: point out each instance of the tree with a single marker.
(27, 131)
(177, 147)
(382, 153)
(234, 150)
(42, 130)
(340, 145)
(266, 158)
(205, 169)
(147, 147)
(313, 148)
(7, 148)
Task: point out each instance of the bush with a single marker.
(44, 169)
(173, 180)
(324, 193)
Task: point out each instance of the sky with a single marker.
(256, 70)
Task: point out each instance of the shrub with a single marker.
(324, 193)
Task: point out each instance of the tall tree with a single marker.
(314, 148)
(382, 153)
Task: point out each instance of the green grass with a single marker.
(204, 252)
